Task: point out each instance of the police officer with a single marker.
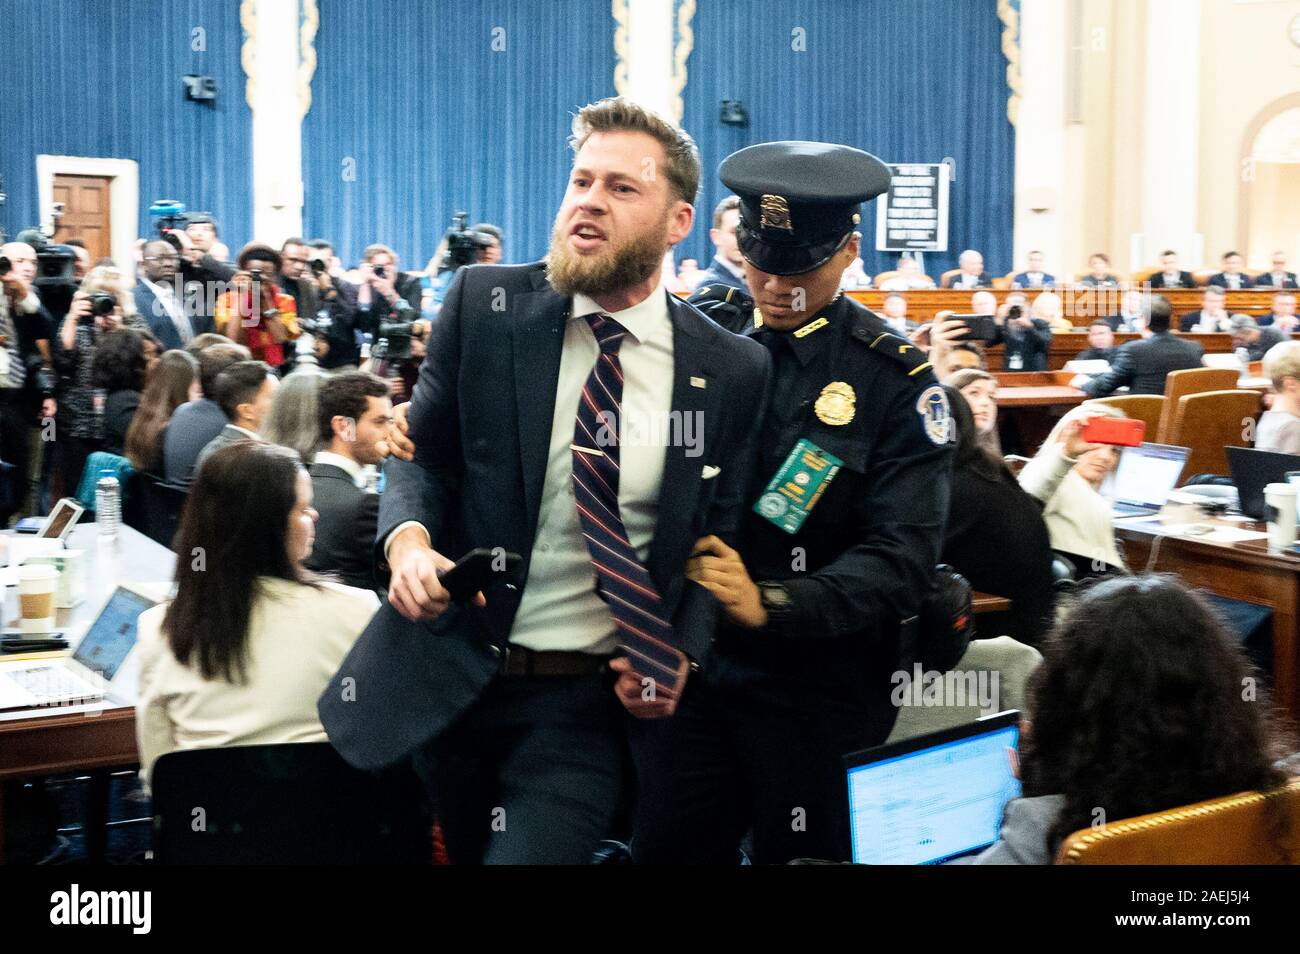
(839, 546)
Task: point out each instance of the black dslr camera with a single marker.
(55, 280)
(101, 306)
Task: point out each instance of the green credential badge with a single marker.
(797, 486)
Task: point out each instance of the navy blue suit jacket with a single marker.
(160, 322)
(1218, 278)
(481, 421)
(715, 274)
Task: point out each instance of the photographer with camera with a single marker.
(1027, 338)
(102, 305)
(28, 383)
(203, 268)
(461, 246)
(385, 293)
(327, 308)
(255, 312)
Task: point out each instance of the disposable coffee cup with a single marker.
(36, 586)
(1280, 505)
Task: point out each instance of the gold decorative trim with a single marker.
(1010, 18)
(681, 53)
(1160, 819)
(620, 14)
(307, 54)
(248, 52)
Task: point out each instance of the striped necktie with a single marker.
(621, 579)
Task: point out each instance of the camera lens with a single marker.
(317, 266)
(102, 304)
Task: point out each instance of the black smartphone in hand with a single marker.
(479, 569)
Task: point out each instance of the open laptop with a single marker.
(1252, 470)
(1145, 477)
(90, 673)
(935, 797)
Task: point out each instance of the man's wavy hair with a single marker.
(1140, 705)
(615, 114)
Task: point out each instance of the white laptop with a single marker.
(1145, 477)
(97, 667)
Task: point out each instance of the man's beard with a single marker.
(610, 271)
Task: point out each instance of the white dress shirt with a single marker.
(168, 300)
(297, 638)
(560, 609)
(345, 464)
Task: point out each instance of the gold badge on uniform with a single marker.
(836, 405)
(774, 213)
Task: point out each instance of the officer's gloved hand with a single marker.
(729, 307)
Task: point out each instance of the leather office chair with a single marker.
(1190, 381)
(1004, 281)
(292, 803)
(1202, 276)
(158, 511)
(1146, 408)
(1207, 423)
(1234, 830)
(883, 277)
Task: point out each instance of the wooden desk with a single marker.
(1082, 304)
(1244, 571)
(1052, 395)
(37, 743)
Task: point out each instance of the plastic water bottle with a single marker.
(108, 504)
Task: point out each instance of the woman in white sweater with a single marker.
(1078, 517)
(251, 640)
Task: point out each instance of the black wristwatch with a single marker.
(776, 601)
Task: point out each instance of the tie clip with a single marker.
(587, 450)
(698, 382)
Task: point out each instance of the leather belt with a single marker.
(519, 662)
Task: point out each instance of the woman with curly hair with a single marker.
(1138, 707)
(173, 381)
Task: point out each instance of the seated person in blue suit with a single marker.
(1033, 276)
(1232, 276)
(1151, 717)
(1277, 276)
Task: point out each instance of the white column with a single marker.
(277, 123)
(1040, 188)
(650, 55)
(1171, 130)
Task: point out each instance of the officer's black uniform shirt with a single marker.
(870, 543)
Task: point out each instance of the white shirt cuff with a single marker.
(388, 541)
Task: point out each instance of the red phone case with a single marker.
(1124, 431)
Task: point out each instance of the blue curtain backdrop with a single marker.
(421, 108)
(103, 79)
(906, 80)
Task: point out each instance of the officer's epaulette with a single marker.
(914, 361)
(729, 307)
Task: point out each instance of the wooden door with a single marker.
(87, 213)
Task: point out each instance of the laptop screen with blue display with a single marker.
(931, 799)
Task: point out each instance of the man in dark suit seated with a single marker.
(1283, 316)
(1101, 342)
(1213, 316)
(195, 423)
(157, 302)
(598, 428)
(1278, 276)
(1247, 335)
(1033, 276)
(355, 414)
(1142, 365)
(244, 392)
(1232, 276)
(725, 269)
(1170, 276)
(971, 274)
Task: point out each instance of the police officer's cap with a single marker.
(799, 201)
